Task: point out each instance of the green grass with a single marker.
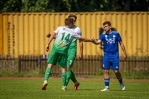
(31, 89)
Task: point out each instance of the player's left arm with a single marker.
(123, 49)
(86, 39)
(81, 49)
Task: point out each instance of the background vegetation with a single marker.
(73, 5)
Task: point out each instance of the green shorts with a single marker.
(71, 57)
(57, 58)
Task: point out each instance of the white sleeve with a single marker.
(57, 30)
(76, 35)
(79, 32)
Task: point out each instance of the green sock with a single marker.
(47, 74)
(63, 79)
(68, 76)
(73, 78)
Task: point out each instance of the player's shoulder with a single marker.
(76, 28)
(115, 32)
(59, 27)
(63, 28)
(103, 34)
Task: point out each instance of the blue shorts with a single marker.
(111, 61)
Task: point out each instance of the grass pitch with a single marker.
(88, 89)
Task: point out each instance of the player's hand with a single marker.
(93, 40)
(80, 57)
(125, 57)
(48, 35)
(47, 48)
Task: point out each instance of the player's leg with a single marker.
(106, 80)
(63, 78)
(115, 68)
(69, 72)
(70, 59)
(76, 83)
(119, 77)
(71, 75)
(46, 76)
(106, 67)
(52, 59)
(62, 61)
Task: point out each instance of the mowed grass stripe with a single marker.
(89, 89)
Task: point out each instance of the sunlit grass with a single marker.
(89, 89)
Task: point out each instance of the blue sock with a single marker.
(107, 81)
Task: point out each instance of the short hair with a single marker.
(107, 22)
(72, 15)
(68, 21)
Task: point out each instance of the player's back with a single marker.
(74, 41)
(64, 37)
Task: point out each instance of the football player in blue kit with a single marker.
(110, 41)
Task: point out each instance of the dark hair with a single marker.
(68, 21)
(72, 15)
(107, 22)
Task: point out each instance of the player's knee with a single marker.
(49, 66)
(63, 75)
(116, 71)
(68, 72)
(106, 71)
(68, 68)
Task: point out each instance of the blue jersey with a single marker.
(111, 54)
(111, 42)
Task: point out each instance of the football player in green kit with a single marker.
(58, 55)
(72, 50)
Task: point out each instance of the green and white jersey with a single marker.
(74, 41)
(63, 39)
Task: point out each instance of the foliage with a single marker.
(10, 5)
(73, 5)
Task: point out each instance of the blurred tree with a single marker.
(139, 5)
(73, 5)
(10, 5)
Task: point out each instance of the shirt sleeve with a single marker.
(76, 35)
(101, 37)
(79, 32)
(57, 30)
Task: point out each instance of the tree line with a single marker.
(73, 5)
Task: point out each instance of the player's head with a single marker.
(69, 22)
(74, 17)
(107, 26)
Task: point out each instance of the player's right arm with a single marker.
(97, 41)
(52, 37)
(49, 41)
(48, 35)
